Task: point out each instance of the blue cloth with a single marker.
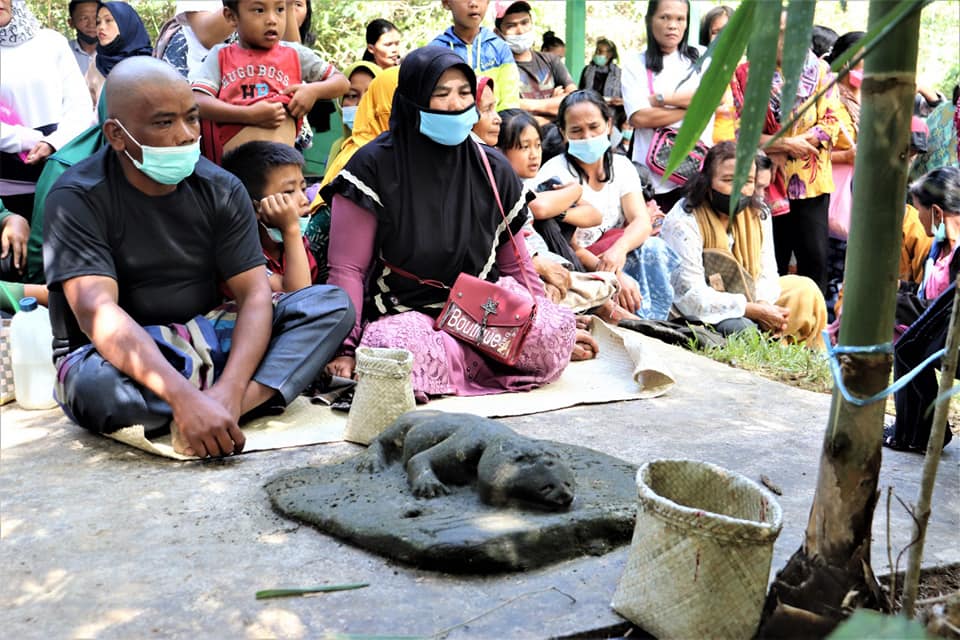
(651, 266)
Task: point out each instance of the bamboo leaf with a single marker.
(857, 52)
(301, 591)
(796, 46)
(878, 31)
(762, 54)
(724, 55)
(873, 624)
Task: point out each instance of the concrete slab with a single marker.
(99, 540)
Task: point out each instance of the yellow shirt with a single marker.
(810, 176)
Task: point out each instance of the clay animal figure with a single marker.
(440, 448)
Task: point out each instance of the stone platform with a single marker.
(100, 540)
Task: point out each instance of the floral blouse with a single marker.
(811, 176)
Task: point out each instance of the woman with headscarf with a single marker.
(45, 103)
(418, 198)
(372, 119)
(121, 35)
(360, 75)
(487, 129)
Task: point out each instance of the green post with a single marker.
(576, 36)
(696, 12)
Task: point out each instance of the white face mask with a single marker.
(520, 42)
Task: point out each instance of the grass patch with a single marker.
(795, 365)
(791, 364)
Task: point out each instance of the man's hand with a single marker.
(40, 152)
(16, 232)
(269, 115)
(203, 426)
(280, 211)
(302, 101)
(629, 297)
(342, 366)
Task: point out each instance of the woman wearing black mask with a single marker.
(728, 272)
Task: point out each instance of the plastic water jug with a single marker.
(31, 352)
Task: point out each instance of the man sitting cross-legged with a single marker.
(137, 240)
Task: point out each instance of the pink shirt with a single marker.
(939, 279)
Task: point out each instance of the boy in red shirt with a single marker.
(259, 88)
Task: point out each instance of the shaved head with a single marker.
(130, 81)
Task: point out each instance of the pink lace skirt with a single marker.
(443, 365)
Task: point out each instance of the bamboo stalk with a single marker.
(932, 460)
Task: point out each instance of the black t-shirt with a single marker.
(167, 253)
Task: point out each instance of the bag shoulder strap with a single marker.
(506, 223)
(496, 196)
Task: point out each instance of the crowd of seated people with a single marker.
(149, 187)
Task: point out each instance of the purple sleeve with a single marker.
(350, 254)
(511, 263)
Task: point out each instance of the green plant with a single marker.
(791, 363)
(870, 624)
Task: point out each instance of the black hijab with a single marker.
(434, 204)
(131, 40)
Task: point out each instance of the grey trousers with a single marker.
(308, 327)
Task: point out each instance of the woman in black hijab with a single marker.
(418, 197)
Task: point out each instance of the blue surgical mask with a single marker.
(589, 150)
(448, 128)
(626, 134)
(166, 165)
(599, 60)
(277, 236)
(349, 116)
(941, 233)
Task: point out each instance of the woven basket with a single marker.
(383, 392)
(700, 558)
(6, 363)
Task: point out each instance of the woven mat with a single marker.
(629, 367)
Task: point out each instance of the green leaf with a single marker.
(879, 31)
(857, 51)
(301, 591)
(796, 46)
(762, 54)
(872, 624)
(724, 54)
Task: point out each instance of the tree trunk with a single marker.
(810, 595)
